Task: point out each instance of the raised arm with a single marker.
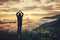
(22, 14)
(17, 13)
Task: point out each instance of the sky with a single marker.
(31, 6)
(49, 7)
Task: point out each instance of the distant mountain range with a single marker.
(57, 16)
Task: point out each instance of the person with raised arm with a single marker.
(19, 21)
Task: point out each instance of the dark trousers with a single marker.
(19, 31)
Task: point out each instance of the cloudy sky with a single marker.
(29, 5)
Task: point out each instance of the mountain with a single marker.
(50, 29)
(54, 25)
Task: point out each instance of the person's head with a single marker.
(19, 14)
(19, 10)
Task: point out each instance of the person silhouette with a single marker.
(19, 21)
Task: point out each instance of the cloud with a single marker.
(8, 0)
(3, 0)
(28, 5)
(1, 3)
